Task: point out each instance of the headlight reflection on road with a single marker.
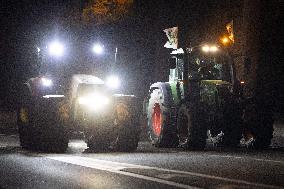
(94, 101)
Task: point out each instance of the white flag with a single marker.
(230, 30)
(172, 34)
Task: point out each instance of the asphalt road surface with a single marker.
(148, 167)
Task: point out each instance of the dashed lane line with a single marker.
(117, 167)
(256, 159)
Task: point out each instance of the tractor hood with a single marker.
(213, 92)
(214, 82)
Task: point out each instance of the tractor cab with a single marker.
(200, 67)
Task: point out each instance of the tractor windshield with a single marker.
(213, 69)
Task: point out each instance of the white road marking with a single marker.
(256, 159)
(117, 167)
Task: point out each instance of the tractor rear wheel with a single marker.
(258, 123)
(49, 131)
(233, 124)
(24, 124)
(25, 119)
(191, 129)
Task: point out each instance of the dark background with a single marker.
(139, 38)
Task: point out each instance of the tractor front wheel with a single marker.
(191, 129)
(161, 131)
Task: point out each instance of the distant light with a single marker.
(98, 49)
(38, 49)
(55, 49)
(242, 82)
(213, 49)
(208, 48)
(225, 40)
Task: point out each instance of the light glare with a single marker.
(205, 48)
(55, 49)
(113, 82)
(98, 49)
(94, 101)
(46, 82)
(213, 49)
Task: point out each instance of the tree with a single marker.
(106, 11)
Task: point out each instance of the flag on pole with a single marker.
(230, 30)
(172, 34)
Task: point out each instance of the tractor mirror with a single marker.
(172, 62)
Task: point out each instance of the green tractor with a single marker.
(202, 101)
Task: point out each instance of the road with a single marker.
(148, 167)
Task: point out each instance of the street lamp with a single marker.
(225, 40)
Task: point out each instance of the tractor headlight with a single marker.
(113, 82)
(46, 82)
(94, 101)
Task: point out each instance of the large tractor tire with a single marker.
(51, 134)
(124, 135)
(233, 124)
(24, 126)
(191, 128)
(258, 123)
(127, 120)
(161, 129)
(39, 124)
(24, 119)
(46, 131)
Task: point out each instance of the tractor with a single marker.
(55, 105)
(203, 101)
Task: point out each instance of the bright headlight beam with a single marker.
(98, 49)
(213, 48)
(46, 82)
(95, 101)
(55, 48)
(113, 82)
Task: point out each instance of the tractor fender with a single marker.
(166, 90)
(129, 102)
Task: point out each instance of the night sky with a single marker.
(139, 38)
